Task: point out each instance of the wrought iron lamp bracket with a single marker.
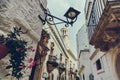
(49, 18)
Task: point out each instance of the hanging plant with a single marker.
(17, 50)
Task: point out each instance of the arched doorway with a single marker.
(118, 65)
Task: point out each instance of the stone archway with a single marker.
(118, 66)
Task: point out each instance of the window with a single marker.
(98, 64)
(91, 77)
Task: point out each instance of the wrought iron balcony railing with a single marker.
(51, 63)
(61, 68)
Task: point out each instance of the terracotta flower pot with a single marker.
(3, 51)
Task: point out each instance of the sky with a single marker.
(59, 7)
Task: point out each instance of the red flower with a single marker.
(30, 60)
(31, 64)
(33, 50)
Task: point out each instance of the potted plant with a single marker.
(16, 48)
(3, 51)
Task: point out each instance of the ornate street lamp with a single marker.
(71, 17)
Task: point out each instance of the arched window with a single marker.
(91, 77)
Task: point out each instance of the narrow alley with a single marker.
(59, 39)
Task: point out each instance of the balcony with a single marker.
(61, 68)
(72, 72)
(51, 63)
(107, 32)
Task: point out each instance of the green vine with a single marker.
(17, 51)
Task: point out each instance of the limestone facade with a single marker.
(103, 31)
(84, 64)
(24, 14)
(64, 57)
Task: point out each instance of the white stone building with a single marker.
(102, 18)
(24, 14)
(84, 66)
(61, 47)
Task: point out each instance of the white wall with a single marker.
(85, 61)
(24, 14)
(82, 39)
(58, 49)
(107, 71)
